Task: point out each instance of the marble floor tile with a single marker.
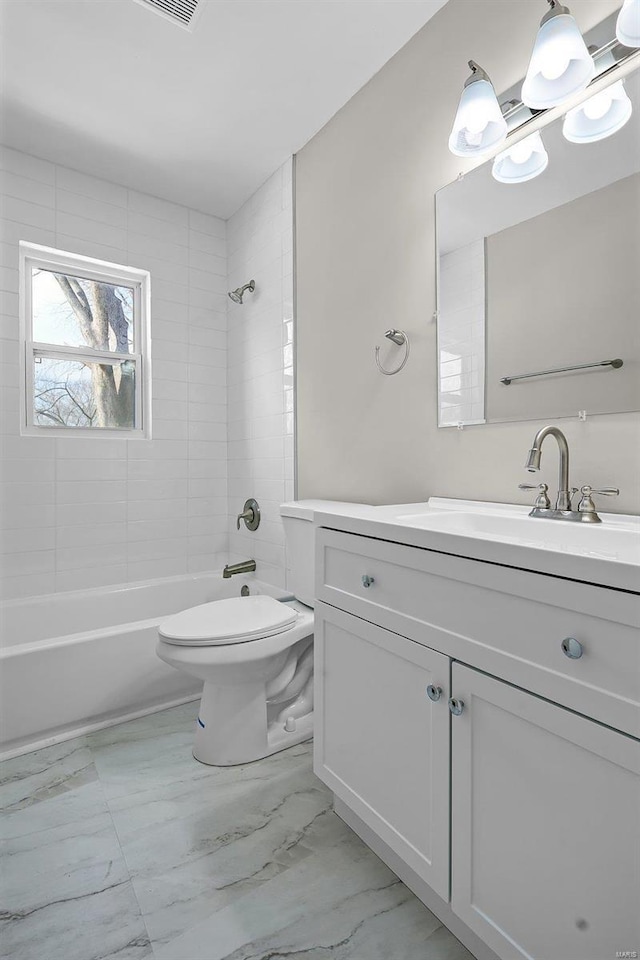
(120, 846)
(66, 893)
(342, 902)
(103, 924)
(148, 753)
(201, 846)
(36, 777)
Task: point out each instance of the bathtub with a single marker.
(78, 661)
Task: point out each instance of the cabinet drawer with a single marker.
(507, 622)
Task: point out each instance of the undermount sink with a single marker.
(617, 540)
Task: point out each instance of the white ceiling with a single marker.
(204, 117)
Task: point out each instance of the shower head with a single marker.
(237, 294)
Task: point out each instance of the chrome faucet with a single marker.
(586, 512)
(563, 500)
(245, 566)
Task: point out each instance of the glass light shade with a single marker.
(560, 64)
(599, 116)
(521, 162)
(628, 24)
(479, 125)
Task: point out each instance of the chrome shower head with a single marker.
(237, 294)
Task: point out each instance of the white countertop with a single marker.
(607, 553)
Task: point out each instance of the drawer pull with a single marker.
(434, 692)
(456, 706)
(572, 648)
(367, 580)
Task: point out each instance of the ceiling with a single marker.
(201, 118)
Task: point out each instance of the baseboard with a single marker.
(416, 884)
(72, 732)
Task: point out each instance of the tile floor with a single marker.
(120, 846)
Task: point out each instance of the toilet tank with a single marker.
(297, 518)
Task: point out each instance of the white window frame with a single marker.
(32, 256)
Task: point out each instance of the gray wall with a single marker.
(365, 262)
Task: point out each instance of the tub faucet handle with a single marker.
(250, 514)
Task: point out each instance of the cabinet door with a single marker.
(381, 744)
(545, 826)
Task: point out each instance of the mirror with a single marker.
(539, 284)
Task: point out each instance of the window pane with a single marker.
(75, 312)
(75, 393)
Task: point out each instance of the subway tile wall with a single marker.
(80, 513)
(260, 371)
(461, 335)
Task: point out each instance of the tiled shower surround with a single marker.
(260, 370)
(89, 512)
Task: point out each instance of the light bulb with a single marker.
(479, 125)
(628, 24)
(596, 107)
(560, 63)
(521, 152)
(554, 65)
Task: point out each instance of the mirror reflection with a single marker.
(539, 278)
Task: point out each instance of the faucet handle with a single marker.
(586, 504)
(250, 514)
(542, 500)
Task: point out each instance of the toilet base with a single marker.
(232, 726)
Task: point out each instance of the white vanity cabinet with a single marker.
(381, 744)
(520, 807)
(545, 826)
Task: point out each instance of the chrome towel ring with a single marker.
(400, 338)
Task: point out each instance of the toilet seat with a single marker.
(223, 622)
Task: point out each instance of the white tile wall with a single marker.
(89, 512)
(461, 335)
(260, 370)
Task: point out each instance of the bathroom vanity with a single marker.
(478, 717)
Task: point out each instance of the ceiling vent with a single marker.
(183, 12)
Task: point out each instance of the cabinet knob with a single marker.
(367, 580)
(572, 648)
(434, 693)
(456, 706)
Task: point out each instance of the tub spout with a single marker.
(245, 566)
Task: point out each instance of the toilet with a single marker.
(255, 656)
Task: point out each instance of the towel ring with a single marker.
(400, 338)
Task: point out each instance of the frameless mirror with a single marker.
(539, 284)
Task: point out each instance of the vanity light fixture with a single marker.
(479, 125)
(601, 115)
(521, 162)
(628, 24)
(560, 64)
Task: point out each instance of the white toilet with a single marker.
(255, 656)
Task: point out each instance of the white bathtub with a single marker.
(74, 662)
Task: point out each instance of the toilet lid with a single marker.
(228, 621)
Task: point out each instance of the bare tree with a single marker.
(104, 326)
(63, 396)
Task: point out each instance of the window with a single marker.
(85, 339)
